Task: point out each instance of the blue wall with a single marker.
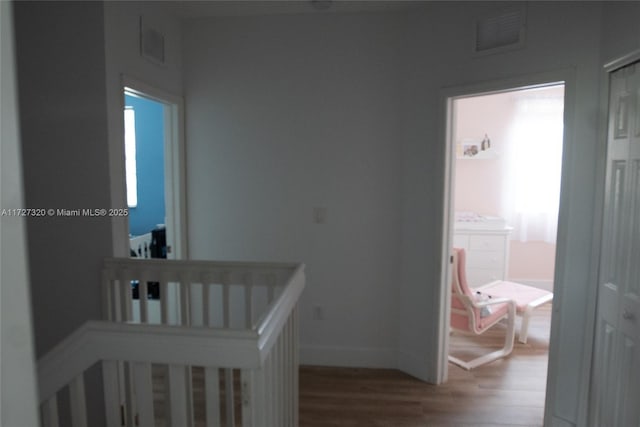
(150, 164)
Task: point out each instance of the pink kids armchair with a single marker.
(474, 315)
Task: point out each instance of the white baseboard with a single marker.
(547, 285)
(360, 357)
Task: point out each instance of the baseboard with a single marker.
(360, 357)
(547, 285)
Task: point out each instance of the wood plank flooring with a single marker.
(507, 392)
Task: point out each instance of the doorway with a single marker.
(145, 177)
(155, 181)
(504, 177)
(159, 159)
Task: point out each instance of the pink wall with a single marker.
(479, 182)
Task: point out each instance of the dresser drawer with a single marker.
(486, 243)
(487, 253)
(486, 259)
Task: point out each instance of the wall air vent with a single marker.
(151, 43)
(501, 32)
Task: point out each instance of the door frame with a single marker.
(175, 170)
(565, 76)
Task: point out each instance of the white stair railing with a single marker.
(173, 373)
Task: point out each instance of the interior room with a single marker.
(145, 178)
(507, 172)
(311, 138)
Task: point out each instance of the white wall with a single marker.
(288, 113)
(620, 30)
(61, 74)
(18, 393)
(60, 59)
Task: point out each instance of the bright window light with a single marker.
(130, 156)
(535, 163)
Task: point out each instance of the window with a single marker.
(534, 165)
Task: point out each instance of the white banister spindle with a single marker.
(296, 364)
(112, 402)
(248, 300)
(281, 381)
(49, 410)
(288, 377)
(77, 398)
(130, 408)
(206, 296)
(164, 301)
(277, 380)
(226, 300)
(143, 297)
(268, 387)
(228, 392)
(212, 396)
(189, 395)
(118, 300)
(143, 390)
(274, 386)
(126, 296)
(185, 299)
(271, 287)
(177, 386)
(107, 296)
(254, 398)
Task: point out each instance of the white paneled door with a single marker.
(616, 370)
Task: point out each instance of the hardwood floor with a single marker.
(507, 392)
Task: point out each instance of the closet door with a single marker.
(616, 370)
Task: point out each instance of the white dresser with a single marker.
(487, 248)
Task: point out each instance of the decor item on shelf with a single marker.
(486, 143)
(470, 148)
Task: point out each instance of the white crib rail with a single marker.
(255, 344)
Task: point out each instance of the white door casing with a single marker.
(615, 390)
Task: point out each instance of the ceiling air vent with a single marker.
(500, 32)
